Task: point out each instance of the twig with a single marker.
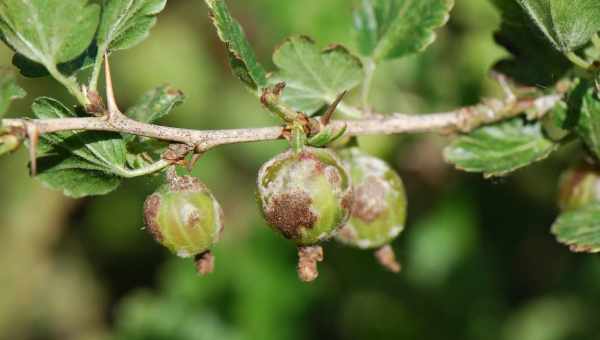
(460, 120)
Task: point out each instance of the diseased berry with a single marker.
(379, 206)
(305, 196)
(579, 186)
(185, 217)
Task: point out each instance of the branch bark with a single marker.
(460, 120)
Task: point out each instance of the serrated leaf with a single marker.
(499, 149)
(579, 229)
(32, 69)
(75, 177)
(49, 32)
(535, 61)
(567, 24)
(314, 78)
(9, 90)
(126, 23)
(242, 59)
(389, 29)
(77, 183)
(156, 104)
(105, 149)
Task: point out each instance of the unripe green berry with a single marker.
(184, 216)
(379, 208)
(305, 196)
(579, 186)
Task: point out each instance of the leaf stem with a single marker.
(577, 60)
(93, 83)
(70, 83)
(147, 170)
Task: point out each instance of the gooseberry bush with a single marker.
(324, 187)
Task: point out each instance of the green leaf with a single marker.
(567, 24)
(32, 69)
(48, 32)
(156, 104)
(104, 149)
(314, 78)
(389, 29)
(584, 112)
(579, 229)
(75, 177)
(126, 23)
(9, 90)
(76, 182)
(534, 62)
(241, 56)
(496, 150)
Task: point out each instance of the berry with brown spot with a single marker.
(379, 208)
(305, 196)
(185, 217)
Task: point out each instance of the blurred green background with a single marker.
(479, 261)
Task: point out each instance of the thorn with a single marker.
(34, 135)
(192, 163)
(331, 110)
(110, 94)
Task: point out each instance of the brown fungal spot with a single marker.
(348, 200)
(151, 207)
(307, 155)
(185, 183)
(369, 200)
(290, 212)
(347, 233)
(193, 219)
(332, 175)
(319, 167)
